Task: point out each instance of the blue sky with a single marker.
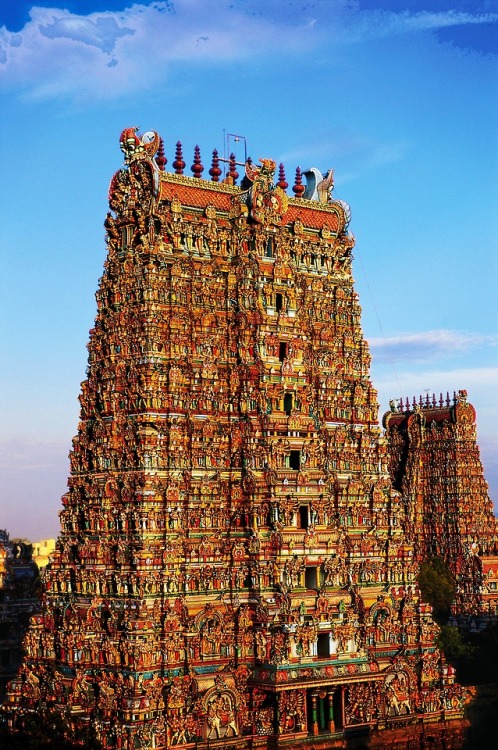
(400, 98)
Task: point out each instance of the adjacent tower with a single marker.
(232, 566)
(435, 464)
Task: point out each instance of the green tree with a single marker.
(437, 587)
(456, 647)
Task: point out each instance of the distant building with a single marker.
(19, 599)
(42, 551)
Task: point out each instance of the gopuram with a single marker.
(434, 462)
(232, 568)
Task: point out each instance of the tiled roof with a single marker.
(314, 218)
(198, 194)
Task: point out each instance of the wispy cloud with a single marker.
(427, 345)
(356, 153)
(27, 455)
(380, 23)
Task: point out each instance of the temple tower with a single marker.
(231, 564)
(435, 464)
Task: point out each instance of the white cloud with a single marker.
(102, 32)
(115, 53)
(428, 345)
(111, 54)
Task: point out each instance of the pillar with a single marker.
(314, 713)
(331, 710)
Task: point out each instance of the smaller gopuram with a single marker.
(434, 462)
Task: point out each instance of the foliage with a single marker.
(456, 647)
(473, 653)
(437, 587)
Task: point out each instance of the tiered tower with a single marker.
(435, 464)
(232, 566)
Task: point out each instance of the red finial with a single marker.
(298, 188)
(233, 174)
(282, 183)
(179, 164)
(215, 170)
(197, 168)
(161, 160)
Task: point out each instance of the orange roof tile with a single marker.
(196, 196)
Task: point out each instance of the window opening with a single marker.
(310, 577)
(303, 517)
(288, 403)
(295, 460)
(282, 350)
(323, 645)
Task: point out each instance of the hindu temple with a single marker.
(238, 552)
(434, 462)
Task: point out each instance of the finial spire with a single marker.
(233, 169)
(197, 168)
(298, 188)
(161, 160)
(215, 170)
(282, 182)
(179, 164)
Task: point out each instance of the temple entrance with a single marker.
(324, 710)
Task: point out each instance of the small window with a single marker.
(295, 460)
(323, 645)
(288, 403)
(282, 350)
(269, 247)
(279, 302)
(310, 579)
(303, 516)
